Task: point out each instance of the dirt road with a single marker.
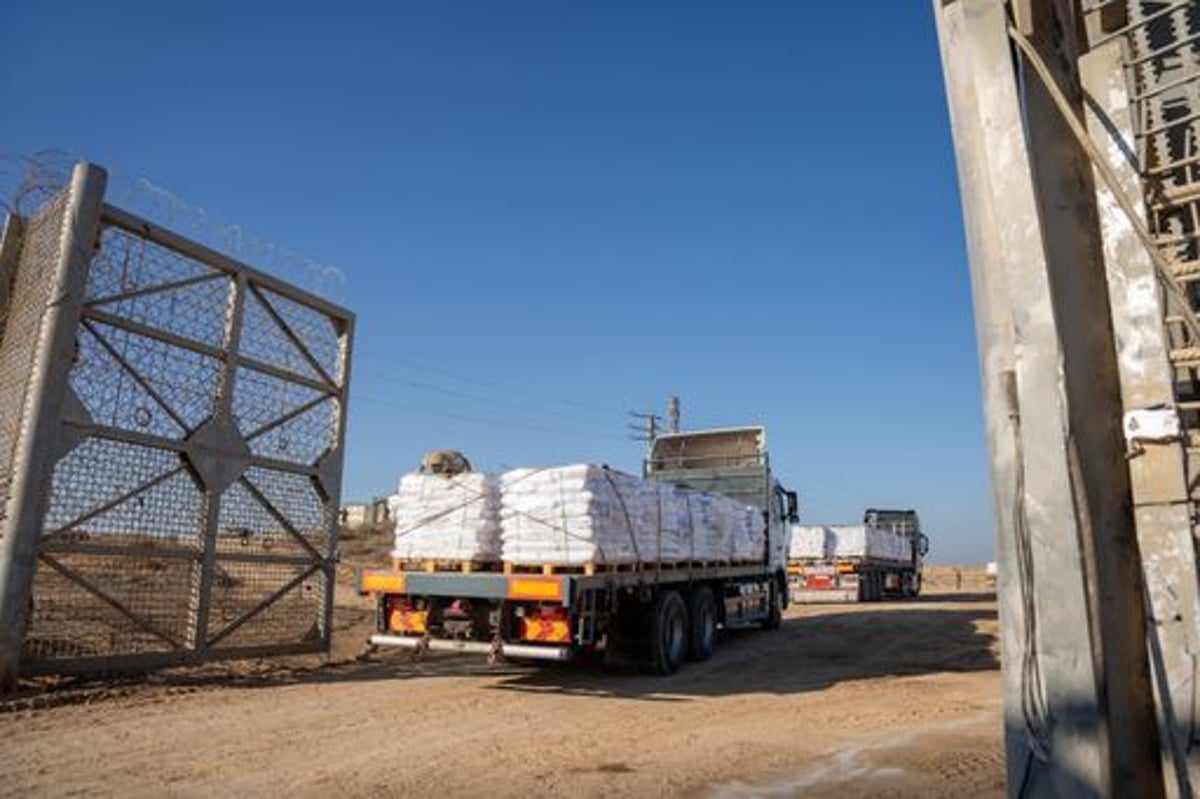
(882, 700)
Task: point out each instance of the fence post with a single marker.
(32, 459)
(10, 251)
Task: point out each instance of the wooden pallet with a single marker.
(550, 569)
(586, 569)
(431, 566)
(590, 569)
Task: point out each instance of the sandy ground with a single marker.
(900, 699)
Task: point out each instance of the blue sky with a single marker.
(548, 214)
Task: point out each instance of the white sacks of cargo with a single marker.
(446, 518)
(873, 543)
(811, 542)
(572, 515)
(848, 542)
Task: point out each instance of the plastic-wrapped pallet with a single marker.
(864, 541)
(850, 541)
(811, 542)
(749, 534)
(446, 518)
(571, 515)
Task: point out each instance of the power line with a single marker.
(490, 401)
(508, 423)
(471, 379)
(647, 426)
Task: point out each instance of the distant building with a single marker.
(357, 515)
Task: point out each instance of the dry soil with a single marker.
(898, 699)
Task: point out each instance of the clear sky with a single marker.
(548, 214)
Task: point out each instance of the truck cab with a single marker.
(907, 524)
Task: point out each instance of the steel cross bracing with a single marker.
(178, 501)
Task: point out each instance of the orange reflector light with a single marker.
(546, 625)
(382, 583)
(556, 631)
(407, 621)
(845, 568)
(549, 588)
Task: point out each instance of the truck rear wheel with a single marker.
(668, 633)
(774, 619)
(869, 584)
(702, 618)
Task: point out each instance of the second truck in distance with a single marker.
(878, 559)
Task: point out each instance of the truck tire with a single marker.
(774, 619)
(702, 619)
(668, 633)
(877, 587)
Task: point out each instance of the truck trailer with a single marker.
(878, 559)
(652, 615)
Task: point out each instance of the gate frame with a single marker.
(217, 459)
(33, 459)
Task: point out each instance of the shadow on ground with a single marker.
(809, 653)
(812, 651)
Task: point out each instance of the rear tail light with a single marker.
(404, 617)
(550, 624)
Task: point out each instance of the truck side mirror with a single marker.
(793, 507)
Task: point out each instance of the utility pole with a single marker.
(673, 414)
(646, 427)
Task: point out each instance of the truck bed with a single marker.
(541, 586)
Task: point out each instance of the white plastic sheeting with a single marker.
(831, 542)
(583, 513)
(811, 542)
(446, 518)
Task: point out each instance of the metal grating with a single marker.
(192, 503)
(22, 333)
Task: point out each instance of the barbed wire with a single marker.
(27, 181)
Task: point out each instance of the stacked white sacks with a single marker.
(584, 513)
(446, 518)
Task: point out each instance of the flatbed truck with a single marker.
(652, 615)
(865, 577)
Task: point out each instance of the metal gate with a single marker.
(172, 438)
